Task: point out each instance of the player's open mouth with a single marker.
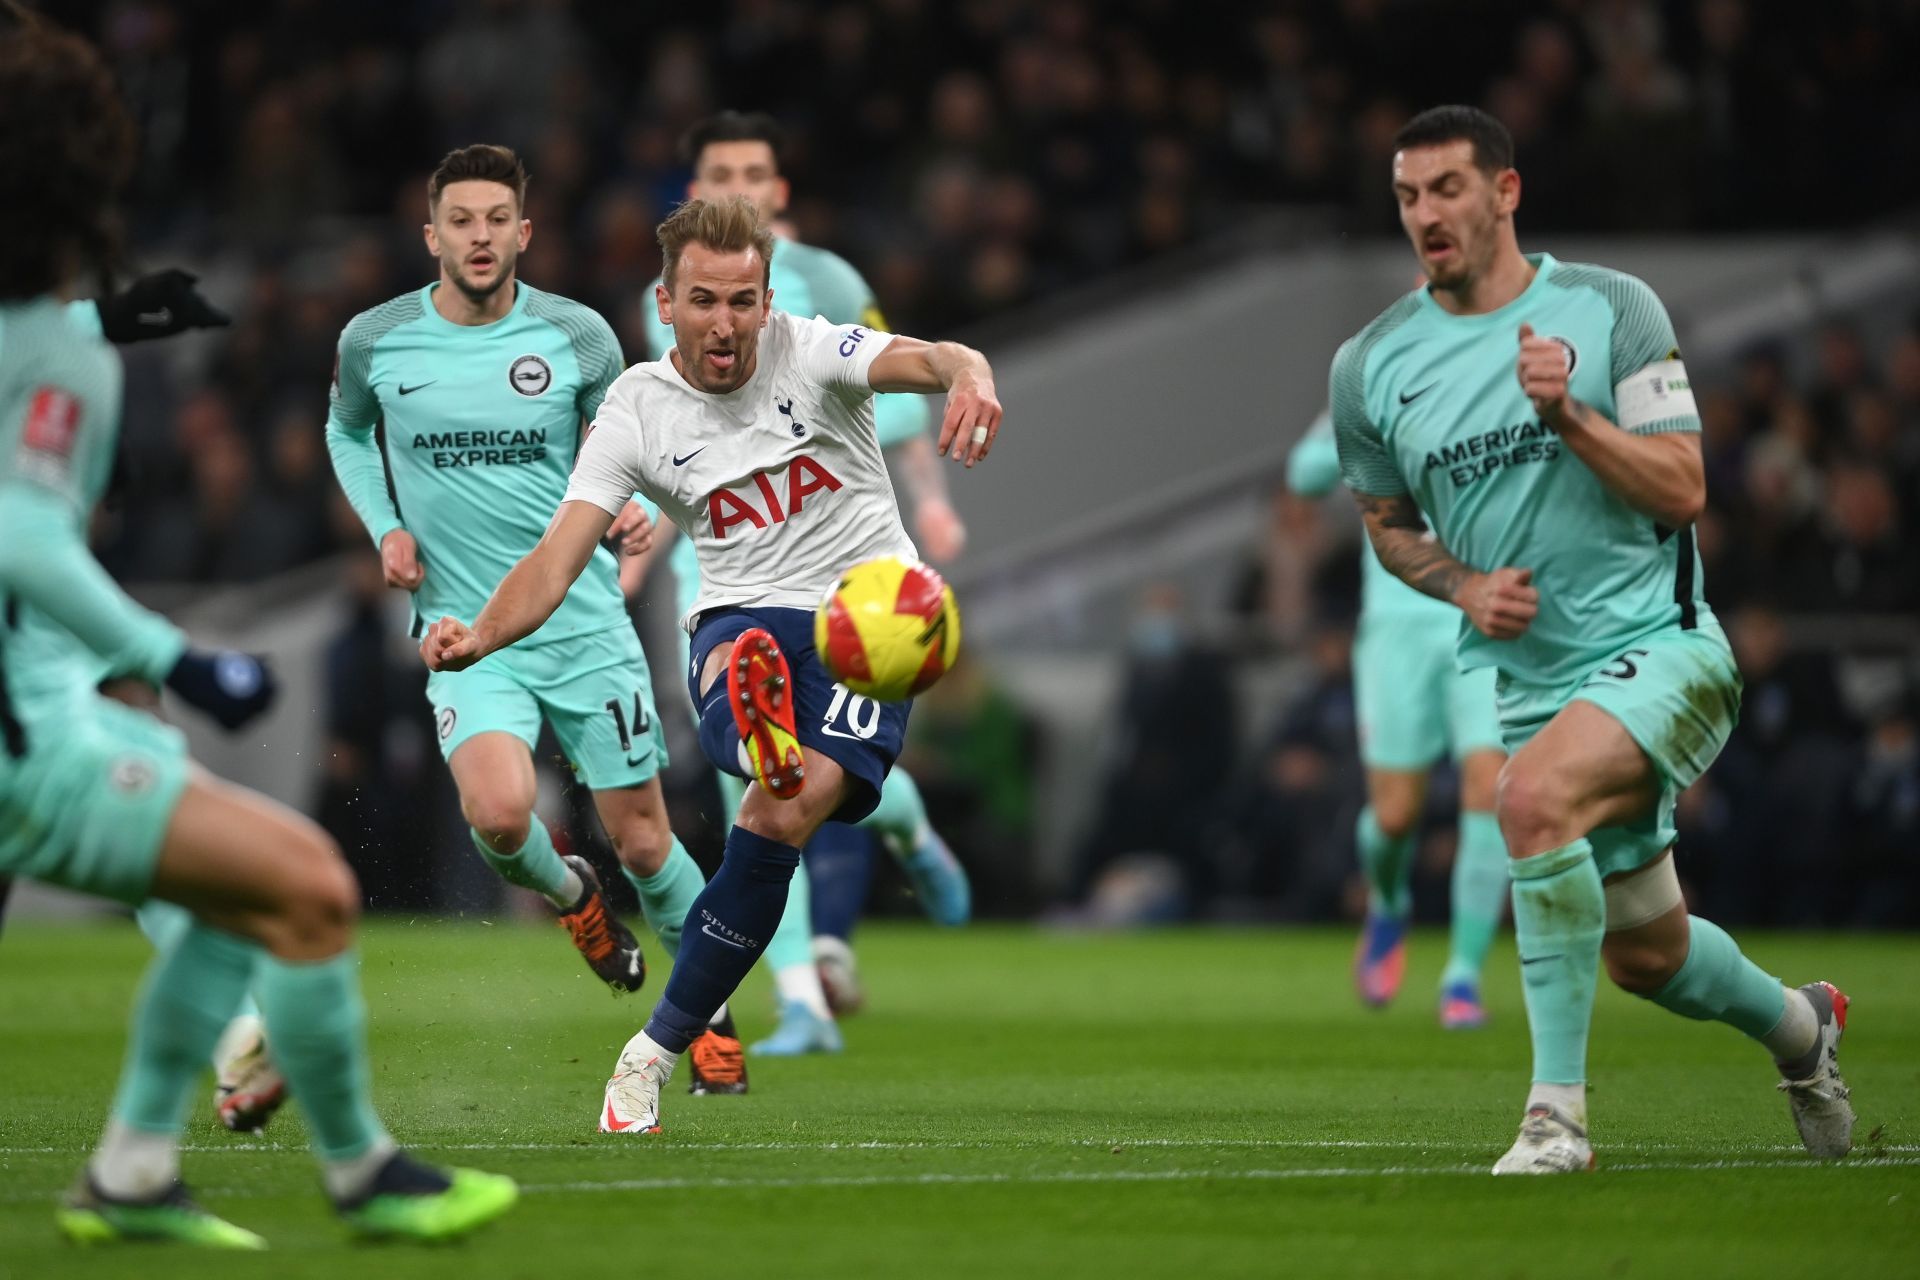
(480, 261)
(1435, 249)
(720, 359)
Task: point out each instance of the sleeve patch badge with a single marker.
(53, 423)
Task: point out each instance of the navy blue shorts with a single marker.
(857, 733)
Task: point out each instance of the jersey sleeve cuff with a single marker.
(1668, 426)
(605, 501)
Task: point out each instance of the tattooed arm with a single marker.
(1501, 604)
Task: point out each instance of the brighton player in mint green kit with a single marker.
(1539, 414)
(735, 153)
(484, 384)
(102, 799)
(1414, 704)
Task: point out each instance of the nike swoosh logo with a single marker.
(681, 462)
(1540, 959)
(1408, 397)
(634, 764)
(163, 316)
(708, 930)
(406, 390)
(832, 732)
(614, 1123)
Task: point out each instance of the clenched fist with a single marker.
(450, 645)
(1501, 604)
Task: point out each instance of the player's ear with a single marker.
(1506, 186)
(433, 241)
(526, 233)
(784, 193)
(663, 303)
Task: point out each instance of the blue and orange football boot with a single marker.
(1380, 961)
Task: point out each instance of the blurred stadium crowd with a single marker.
(975, 156)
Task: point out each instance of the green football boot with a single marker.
(413, 1201)
(87, 1217)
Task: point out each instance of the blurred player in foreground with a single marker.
(102, 799)
(739, 154)
(1564, 499)
(1414, 704)
(755, 436)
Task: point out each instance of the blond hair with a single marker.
(725, 226)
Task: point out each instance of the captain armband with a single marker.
(1659, 393)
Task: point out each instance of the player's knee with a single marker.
(642, 844)
(318, 907)
(1532, 809)
(501, 821)
(1395, 818)
(1638, 966)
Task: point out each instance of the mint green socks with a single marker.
(901, 816)
(1717, 983)
(317, 1033)
(165, 923)
(193, 988)
(667, 895)
(1559, 919)
(1386, 862)
(1481, 887)
(536, 865)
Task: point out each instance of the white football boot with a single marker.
(247, 1087)
(1548, 1143)
(633, 1094)
(1814, 1089)
(839, 975)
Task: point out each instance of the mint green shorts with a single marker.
(1413, 701)
(87, 807)
(1677, 694)
(595, 691)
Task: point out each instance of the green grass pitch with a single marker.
(1017, 1103)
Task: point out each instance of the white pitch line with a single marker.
(1150, 1175)
(241, 1147)
(1479, 1169)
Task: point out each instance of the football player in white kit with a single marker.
(755, 437)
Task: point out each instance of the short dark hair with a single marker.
(481, 162)
(734, 126)
(1492, 144)
(65, 152)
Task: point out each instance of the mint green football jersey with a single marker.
(806, 282)
(1428, 404)
(482, 425)
(1313, 471)
(60, 391)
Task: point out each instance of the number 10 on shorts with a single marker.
(859, 713)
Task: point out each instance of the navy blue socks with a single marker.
(730, 924)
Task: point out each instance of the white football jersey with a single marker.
(780, 484)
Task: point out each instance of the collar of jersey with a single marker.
(432, 317)
(1543, 264)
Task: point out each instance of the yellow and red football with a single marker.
(888, 629)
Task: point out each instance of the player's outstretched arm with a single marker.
(972, 420)
(527, 596)
(45, 563)
(1659, 475)
(1502, 604)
